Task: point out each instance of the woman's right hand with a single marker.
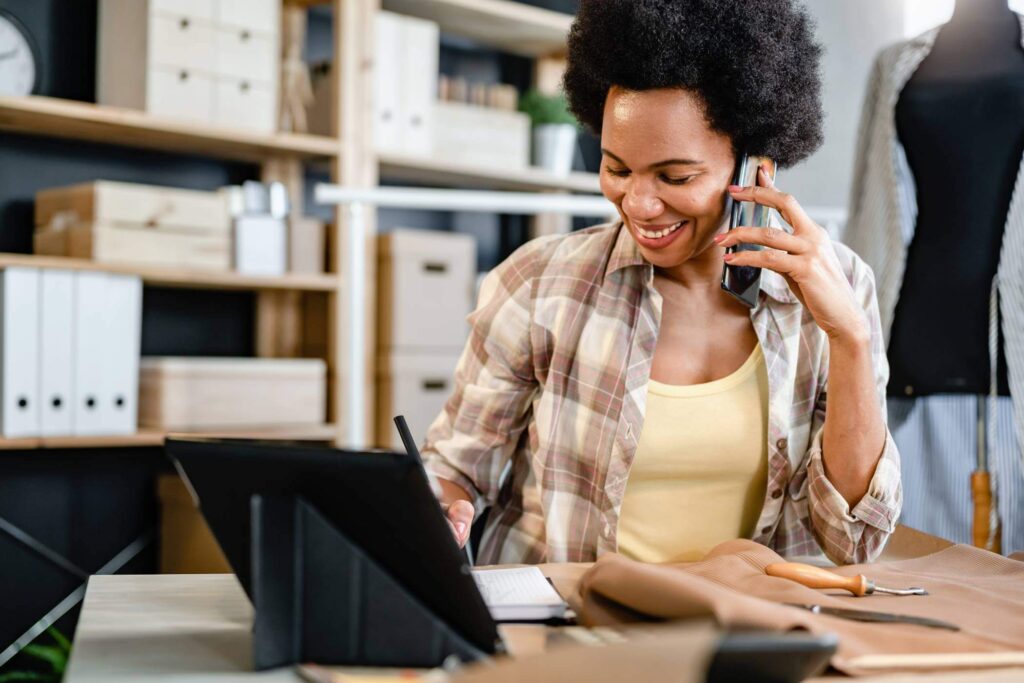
(460, 518)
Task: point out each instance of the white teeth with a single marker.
(653, 235)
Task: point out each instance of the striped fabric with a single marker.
(549, 403)
(936, 489)
(883, 217)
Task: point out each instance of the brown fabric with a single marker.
(981, 592)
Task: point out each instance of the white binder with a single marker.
(123, 306)
(90, 342)
(417, 82)
(19, 365)
(388, 82)
(56, 348)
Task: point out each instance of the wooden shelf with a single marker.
(508, 26)
(83, 121)
(433, 171)
(175, 277)
(155, 438)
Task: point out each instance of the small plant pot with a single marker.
(554, 146)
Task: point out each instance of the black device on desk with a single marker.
(347, 559)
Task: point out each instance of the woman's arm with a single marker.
(855, 432)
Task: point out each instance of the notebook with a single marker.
(519, 594)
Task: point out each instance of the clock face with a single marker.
(17, 59)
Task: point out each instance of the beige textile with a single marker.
(981, 592)
(677, 653)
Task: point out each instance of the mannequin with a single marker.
(960, 119)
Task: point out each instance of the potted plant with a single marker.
(554, 130)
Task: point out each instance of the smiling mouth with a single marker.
(658, 234)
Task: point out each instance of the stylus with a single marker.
(407, 440)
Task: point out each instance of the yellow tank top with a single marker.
(701, 466)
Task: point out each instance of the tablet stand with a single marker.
(319, 598)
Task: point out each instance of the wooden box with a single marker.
(137, 246)
(426, 282)
(188, 394)
(472, 134)
(187, 546)
(415, 385)
(131, 204)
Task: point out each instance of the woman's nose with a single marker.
(641, 204)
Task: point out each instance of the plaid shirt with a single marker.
(549, 402)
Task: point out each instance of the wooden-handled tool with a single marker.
(816, 577)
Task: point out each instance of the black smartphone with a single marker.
(744, 282)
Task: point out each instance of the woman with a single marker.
(611, 396)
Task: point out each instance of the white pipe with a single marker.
(466, 200)
(355, 325)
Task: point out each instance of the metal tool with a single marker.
(875, 617)
(816, 577)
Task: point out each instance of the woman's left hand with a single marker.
(806, 259)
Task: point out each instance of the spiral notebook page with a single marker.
(519, 594)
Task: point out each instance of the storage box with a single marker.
(137, 246)
(260, 245)
(425, 290)
(471, 134)
(208, 61)
(187, 546)
(306, 245)
(149, 206)
(414, 385)
(222, 393)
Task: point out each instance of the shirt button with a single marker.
(781, 444)
(607, 530)
(777, 493)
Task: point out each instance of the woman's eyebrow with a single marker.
(666, 162)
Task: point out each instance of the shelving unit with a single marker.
(285, 320)
(191, 279)
(53, 117)
(151, 437)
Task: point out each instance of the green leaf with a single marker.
(544, 109)
(56, 657)
(60, 639)
(14, 676)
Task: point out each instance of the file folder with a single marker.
(19, 365)
(90, 340)
(123, 305)
(387, 83)
(56, 349)
(420, 43)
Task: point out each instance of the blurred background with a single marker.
(167, 268)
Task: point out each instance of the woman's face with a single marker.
(666, 171)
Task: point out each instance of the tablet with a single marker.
(380, 500)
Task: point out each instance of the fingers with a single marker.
(774, 238)
(766, 194)
(460, 517)
(772, 259)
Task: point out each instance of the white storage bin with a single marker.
(223, 393)
(416, 386)
(484, 136)
(425, 289)
(206, 61)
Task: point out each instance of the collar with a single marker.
(626, 254)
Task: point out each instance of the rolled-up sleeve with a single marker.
(850, 535)
(471, 442)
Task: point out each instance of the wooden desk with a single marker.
(195, 628)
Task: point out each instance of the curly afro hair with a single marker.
(754, 63)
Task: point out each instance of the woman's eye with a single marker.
(618, 173)
(677, 181)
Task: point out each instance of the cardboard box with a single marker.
(416, 386)
(426, 282)
(186, 394)
(471, 134)
(187, 546)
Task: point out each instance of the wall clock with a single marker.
(19, 59)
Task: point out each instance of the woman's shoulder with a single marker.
(570, 254)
